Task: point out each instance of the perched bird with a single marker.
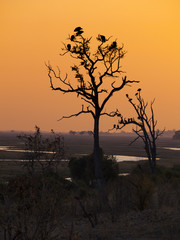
(102, 37)
(72, 38)
(78, 31)
(69, 47)
(113, 45)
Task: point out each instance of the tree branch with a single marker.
(115, 89)
(79, 113)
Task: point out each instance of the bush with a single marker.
(30, 206)
(82, 168)
(161, 188)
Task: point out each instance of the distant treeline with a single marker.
(13, 133)
(177, 135)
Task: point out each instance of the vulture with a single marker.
(69, 47)
(113, 45)
(102, 37)
(78, 31)
(72, 38)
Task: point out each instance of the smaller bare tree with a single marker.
(42, 152)
(145, 126)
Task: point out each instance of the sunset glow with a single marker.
(32, 33)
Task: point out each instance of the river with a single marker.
(119, 158)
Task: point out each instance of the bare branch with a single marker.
(116, 89)
(79, 113)
(146, 126)
(111, 114)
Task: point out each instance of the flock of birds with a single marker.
(78, 31)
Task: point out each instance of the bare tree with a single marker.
(91, 72)
(43, 152)
(145, 126)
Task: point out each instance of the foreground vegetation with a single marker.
(39, 202)
(47, 206)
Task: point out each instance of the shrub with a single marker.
(30, 206)
(82, 168)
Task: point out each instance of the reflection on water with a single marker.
(123, 174)
(121, 158)
(174, 149)
(12, 149)
(4, 148)
(27, 160)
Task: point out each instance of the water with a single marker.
(170, 148)
(122, 158)
(119, 158)
(12, 149)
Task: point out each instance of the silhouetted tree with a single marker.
(145, 126)
(92, 72)
(177, 135)
(82, 168)
(40, 151)
(72, 132)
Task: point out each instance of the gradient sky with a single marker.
(32, 32)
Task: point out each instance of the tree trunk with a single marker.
(154, 154)
(97, 156)
(98, 167)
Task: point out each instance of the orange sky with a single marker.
(32, 32)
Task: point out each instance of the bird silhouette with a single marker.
(78, 31)
(72, 38)
(113, 45)
(103, 39)
(69, 47)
